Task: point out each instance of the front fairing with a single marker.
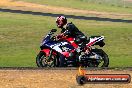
(46, 39)
(61, 46)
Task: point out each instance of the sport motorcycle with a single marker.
(74, 55)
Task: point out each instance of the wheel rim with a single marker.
(97, 63)
(45, 63)
(101, 62)
(103, 59)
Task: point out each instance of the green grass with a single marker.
(96, 5)
(20, 36)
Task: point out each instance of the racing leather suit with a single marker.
(72, 31)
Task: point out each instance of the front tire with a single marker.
(42, 60)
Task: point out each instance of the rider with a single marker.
(70, 30)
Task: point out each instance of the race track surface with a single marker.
(54, 78)
(21, 7)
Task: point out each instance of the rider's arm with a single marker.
(72, 29)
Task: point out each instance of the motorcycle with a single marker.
(89, 56)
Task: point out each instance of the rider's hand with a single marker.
(60, 36)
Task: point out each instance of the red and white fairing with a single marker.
(95, 40)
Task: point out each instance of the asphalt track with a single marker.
(68, 16)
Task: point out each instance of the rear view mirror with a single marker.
(53, 30)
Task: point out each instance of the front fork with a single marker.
(50, 55)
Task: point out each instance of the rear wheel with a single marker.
(44, 61)
(103, 60)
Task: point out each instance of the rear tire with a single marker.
(104, 56)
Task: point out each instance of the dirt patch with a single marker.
(21, 5)
(129, 0)
(52, 79)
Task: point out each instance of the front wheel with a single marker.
(44, 61)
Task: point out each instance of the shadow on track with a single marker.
(68, 16)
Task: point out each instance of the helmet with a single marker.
(61, 21)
